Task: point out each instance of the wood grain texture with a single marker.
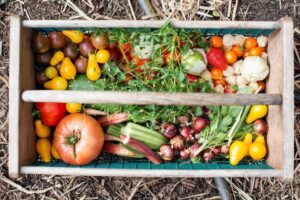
(27, 82)
(150, 98)
(280, 138)
(14, 91)
(151, 173)
(150, 24)
(288, 96)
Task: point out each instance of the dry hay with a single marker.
(68, 187)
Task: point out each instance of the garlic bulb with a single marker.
(229, 71)
(237, 66)
(228, 40)
(206, 75)
(262, 41)
(231, 80)
(239, 40)
(219, 88)
(240, 80)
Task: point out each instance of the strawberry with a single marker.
(216, 58)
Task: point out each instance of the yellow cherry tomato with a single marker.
(51, 72)
(41, 129)
(93, 71)
(257, 150)
(58, 83)
(43, 147)
(248, 139)
(67, 69)
(102, 56)
(73, 107)
(75, 35)
(237, 151)
(57, 58)
(256, 112)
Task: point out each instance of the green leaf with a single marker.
(198, 111)
(121, 76)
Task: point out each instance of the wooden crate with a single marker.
(279, 95)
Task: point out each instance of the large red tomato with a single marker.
(78, 139)
(51, 113)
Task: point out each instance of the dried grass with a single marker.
(66, 187)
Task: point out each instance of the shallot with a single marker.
(177, 142)
(166, 152)
(169, 130)
(200, 123)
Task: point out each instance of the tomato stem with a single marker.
(73, 139)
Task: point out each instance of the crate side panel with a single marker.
(27, 82)
(275, 85)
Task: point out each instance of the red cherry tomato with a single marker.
(51, 113)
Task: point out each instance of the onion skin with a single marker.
(193, 149)
(216, 150)
(166, 152)
(169, 130)
(183, 120)
(187, 133)
(224, 149)
(185, 154)
(178, 142)
(208, 155)
(260, 126)
(200, 123)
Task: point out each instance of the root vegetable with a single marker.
(169, 130)
(166, 152)
(200, 123)
(184, 154)
(177, 142)
(208, 155)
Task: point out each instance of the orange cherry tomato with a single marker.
(250, 43)
(262, 85)
(221, 81)
(216, 41)
(216, 73)
(128, 77)
(246, 53)
(176, 57)
(135, 60)
(256, 51)
(238, 50)
(230, 57)
(263, 49)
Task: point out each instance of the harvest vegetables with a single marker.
(162, 60)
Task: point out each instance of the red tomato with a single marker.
(128, 56)
(51, 113)
(141, 65)
(192, 78)
(78, 139)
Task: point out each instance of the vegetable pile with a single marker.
(164, 60)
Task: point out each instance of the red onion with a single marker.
(205, 109)
(187, 132)
(184, 154)
(216, 150)
(183, 120)
(193, 149)
(169, 130)
(177, 142)
(200, 123)
(260, 126)
(224, 149)
(166, 152)
(208, 155)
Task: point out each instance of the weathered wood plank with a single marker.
(280, 138)
(150, 24)
(288, 96)
(151, 173)
(14, 98)
(150, 98)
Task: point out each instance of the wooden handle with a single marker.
(150, 98)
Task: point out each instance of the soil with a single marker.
(66, 187)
